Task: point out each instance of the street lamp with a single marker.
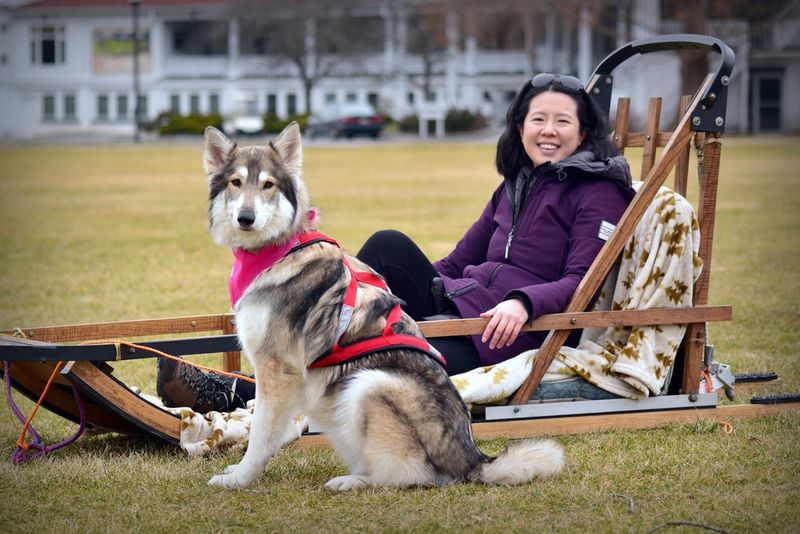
(136, 109)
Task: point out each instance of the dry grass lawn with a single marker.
(101, 233)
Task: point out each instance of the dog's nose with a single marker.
(246, 218)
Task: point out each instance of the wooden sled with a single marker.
(111, 405)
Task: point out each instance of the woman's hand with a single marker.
(507, 319)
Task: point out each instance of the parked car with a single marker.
(347, 120)
(244, 118)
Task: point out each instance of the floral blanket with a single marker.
(658, 268)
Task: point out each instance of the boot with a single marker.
(179, 384)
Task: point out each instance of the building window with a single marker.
(330, 98)
(410, 98)
(122, 107)
(213, 103)
(194, 104)
(175, 103)
(48, 45)
(102, 107)
(272, 103)
(372, 98)
(199, 38)
(49, 108)
(141, 111)
(69, 108)
(291, 104)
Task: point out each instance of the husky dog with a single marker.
(393, 415)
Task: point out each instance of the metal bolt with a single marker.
(194, 324)
(693, 397)
(725, 80)
(573, 321)
(696, 121)
(596, 90)
(608, 80)
(719, 121)
(516, 409)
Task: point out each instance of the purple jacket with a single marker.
(562, 224)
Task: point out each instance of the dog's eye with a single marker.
(268, 185)
(236, 182)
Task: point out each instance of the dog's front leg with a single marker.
(278, 397)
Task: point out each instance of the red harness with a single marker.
(388, 340)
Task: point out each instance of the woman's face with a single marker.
(551, 129)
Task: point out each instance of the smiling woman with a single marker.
(526, 253)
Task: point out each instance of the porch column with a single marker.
(584, 44)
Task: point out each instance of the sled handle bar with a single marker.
(709, 116)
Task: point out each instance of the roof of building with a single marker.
(53, 4)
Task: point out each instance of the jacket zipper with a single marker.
(515, 216)
(493, 274)
(458, 292)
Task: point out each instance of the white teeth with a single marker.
(547, 146)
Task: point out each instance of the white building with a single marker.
(66, 65)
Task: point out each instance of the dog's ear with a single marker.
(290, 149)
(216, 149)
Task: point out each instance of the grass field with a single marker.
(103, 233)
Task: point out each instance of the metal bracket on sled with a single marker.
(721, 377)
(565, 407)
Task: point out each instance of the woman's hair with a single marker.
(511, 155)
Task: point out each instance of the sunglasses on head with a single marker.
(545, 78)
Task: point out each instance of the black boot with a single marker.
(179, 384)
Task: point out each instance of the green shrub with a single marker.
(194, 123)
(463, 120)
(409, 124)
(274, 124)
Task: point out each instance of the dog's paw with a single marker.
(230, 478)
(347, 483)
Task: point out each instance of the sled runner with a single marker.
(86, 391)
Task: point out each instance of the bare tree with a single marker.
(318, 38)
(426, 38)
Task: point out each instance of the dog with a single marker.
(393, 415)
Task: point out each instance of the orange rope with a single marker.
(726, 426)
(21, 442)
(709, 381)
(169, 356)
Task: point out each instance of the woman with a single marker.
(564, 188)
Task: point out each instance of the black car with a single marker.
(347, 120)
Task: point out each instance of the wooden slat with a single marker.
(594, 319)
(638, 139)
(231, 360)
(612, 248)
(621, 125)
(15, 349)
(707, 209)
(118, 399)
(651, 135)
(124, 329)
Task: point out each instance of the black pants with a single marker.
(409, 274)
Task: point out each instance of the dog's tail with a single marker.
(523, 461)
